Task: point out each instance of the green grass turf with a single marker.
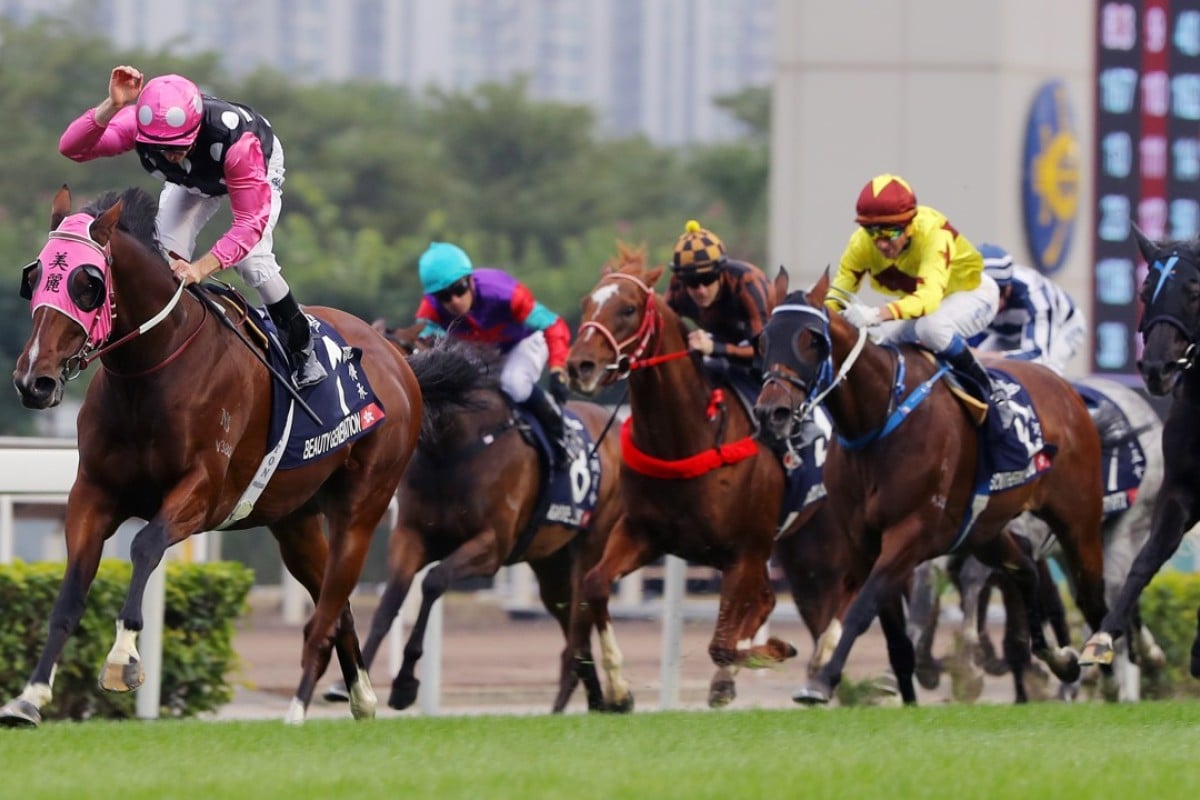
(1085, 751)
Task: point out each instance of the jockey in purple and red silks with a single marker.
(203, 148)
(489, 306)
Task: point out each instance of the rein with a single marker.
(87, 358)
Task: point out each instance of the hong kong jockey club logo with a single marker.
(1050, 177)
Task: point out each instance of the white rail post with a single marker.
(6, 529)
(149, 695)
(674, 582)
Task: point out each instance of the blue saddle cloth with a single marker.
(344, 401)
(567, 495)
(1015, 456)
(1123, 462)
(804, 466)
(1007, 458)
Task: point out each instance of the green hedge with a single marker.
(1169, 606)
(202, 603)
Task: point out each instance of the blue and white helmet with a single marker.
(997, 264)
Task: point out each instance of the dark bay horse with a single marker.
(694, 482)
(173, 430)
(469, 501)
(1170, 330)
(904, 495)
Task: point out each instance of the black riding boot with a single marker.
(966, 364)
(296, 337)
(550, 415)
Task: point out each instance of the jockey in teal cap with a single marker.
(442, 265)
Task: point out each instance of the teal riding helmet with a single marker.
(441, 265)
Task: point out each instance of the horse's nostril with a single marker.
(779, 415)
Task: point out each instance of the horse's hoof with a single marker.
(815, 693)
(622, 706)
(721, 693)
(1098, 650)
(404, 693)
(995, 666)
(1064, 663)
(966, 685)
(122, 677)
(337, 693)
(1154, 659)
(929, 674)
(20, 714)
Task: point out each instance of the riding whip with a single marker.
(199, 294)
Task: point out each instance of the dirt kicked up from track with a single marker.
(495, 663)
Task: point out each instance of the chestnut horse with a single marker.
(1170, 331)
(471, 449)
(903, 484)
(695, 483)
(173, 430)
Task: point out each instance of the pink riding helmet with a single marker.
(169, 112)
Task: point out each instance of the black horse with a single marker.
(1170, 332)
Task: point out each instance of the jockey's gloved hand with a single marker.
(558, 386)
(861, 316)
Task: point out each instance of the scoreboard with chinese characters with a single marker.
(1147, 155)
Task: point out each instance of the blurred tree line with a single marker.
(375, 172)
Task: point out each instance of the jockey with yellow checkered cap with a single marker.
(911, 252)
(729, 300)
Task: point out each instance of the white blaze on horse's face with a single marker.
(602, 295)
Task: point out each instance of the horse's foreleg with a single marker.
(123, 670)
(87, 528)
(477, 556)
(623, 553)
(897, 558)
(1174, 514)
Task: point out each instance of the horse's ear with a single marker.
(781, 284)
(651, 277)
(104, 225)
(60, 208)
(820, 289)
(379, 324)
(1145, 245)
(410, 334)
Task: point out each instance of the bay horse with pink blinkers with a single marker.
(694, 481)
(902, 484)
(173, 430)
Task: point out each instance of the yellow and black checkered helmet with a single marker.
(697, 250)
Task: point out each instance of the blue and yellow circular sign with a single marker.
(1050, 177)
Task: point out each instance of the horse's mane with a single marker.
(138, 214)
(451, 375)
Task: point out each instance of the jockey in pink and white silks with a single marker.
(204, 149)
(1037, 321)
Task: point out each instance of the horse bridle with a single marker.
(1188, 359)
(92, 349)
(818, 387)
(623, 363)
